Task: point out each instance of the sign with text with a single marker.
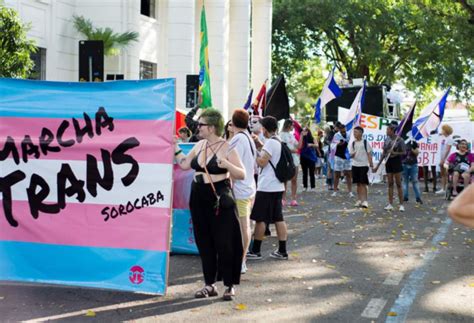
(86, 183)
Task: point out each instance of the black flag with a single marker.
(277, 100)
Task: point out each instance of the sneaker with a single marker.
(389, 207)
(277, 255)
(351, 194)
(313, 189)
(253, 256)
(334, 194)
(305, 189)
(294, 203)
(401, 208)
(283, 202)
(365, 205)
(441, 191)
(358, 203)
(405, 199)
(244, 268)
(419, 201)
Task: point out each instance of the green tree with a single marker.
(15, 47)
(112, 41)
(416, 42)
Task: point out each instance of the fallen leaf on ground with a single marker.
(471, 285)
(90, 313)
(436, 282)
(294, 254)
(331, 266)
(443, 243)
(343, 243)
(392, 314)
(240, 307)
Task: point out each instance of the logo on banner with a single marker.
(137, 275)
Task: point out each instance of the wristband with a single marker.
(178, 152)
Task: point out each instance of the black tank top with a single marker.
(211, 166)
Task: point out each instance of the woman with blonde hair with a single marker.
(447, 142)
(213, 210)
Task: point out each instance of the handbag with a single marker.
(224, 200)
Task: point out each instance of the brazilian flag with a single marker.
(205, 99)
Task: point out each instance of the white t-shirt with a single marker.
(444, 143)
(267, 180)
(360, 158)
(244, 145)
(292, 143)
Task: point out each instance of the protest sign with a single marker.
(86, 183)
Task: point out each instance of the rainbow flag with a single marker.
(205, 98)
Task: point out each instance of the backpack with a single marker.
(285, 169)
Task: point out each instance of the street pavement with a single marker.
(346, 265)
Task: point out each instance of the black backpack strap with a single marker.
(251, 148)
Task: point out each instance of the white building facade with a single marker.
(239, 35)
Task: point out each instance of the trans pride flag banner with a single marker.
(86, 183)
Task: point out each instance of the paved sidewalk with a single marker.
(346, 265)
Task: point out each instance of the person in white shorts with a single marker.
(342, 161)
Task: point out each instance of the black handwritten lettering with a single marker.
(45, 139)
(59, 135)
(10, 149)
(76, 187)
(35, 199)
(80, 132)
(6, 184)
(119, 157)
(93, 174)
(103, 120)
(139, 203)
(104, 212)
(29, 148)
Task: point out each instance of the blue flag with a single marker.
(330, 91)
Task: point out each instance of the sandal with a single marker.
(206, 291)
(229, 294)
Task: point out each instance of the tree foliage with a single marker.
(419, 42)
(15, 47)
(112, 41)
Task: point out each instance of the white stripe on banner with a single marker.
(151, 178)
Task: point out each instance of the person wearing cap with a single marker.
(393, 150)
(268, 206)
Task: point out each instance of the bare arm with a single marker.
(461, 209)
(263, 159)
(233, 164)
(184, 161)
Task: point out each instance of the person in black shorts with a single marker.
(361, 155)
(393, 150)
(267, 207)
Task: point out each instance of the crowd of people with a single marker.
(236, 180)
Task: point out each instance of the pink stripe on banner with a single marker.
(84, 225)
(182, 187)
(155, 138)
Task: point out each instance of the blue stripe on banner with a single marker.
(129, 100)
(121, 269)
(183, 236)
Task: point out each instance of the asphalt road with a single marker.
(346, 265)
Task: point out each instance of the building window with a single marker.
(39, 69)
(147, 70)
(148, 8)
